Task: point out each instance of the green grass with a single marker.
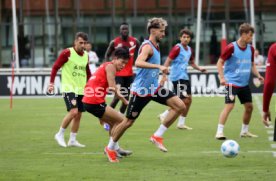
(29, 152)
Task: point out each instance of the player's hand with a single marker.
(266, 118)
(163, 80)
(261, 79)
(125, 102)
(51, 88)
(222, 81)
(203, 70)
(163, 69)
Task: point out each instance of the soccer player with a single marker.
(269, 84)
(238, 62)
(181, 55)
(145, 87)
(94, 97)
(124, 77)
(93, 57)
(74, 74)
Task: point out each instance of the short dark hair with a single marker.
(156, 23)
(246, 28)
(124, 23)
(121, 52)
(83, 35)
(185, 31)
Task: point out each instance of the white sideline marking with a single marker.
(270, 138)
(63, 153)
(273, 145)
(270, 132)
(274, 154)
(250, 151)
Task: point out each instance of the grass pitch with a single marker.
(29, 152)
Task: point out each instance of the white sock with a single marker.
(73, 136)
(244, 128)
(111, 145)
(117, 147)
(220, 128)
(160, 131)
(165, 113)
(181, 120)
(61, 131)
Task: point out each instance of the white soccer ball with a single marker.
(230, 148)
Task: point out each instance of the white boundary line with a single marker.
(70, 153)
(270, 138)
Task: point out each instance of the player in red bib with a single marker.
(124, 77)
(94, 98)
(269, 84)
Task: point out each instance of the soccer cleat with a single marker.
(158, 141)
(183, 126)
(75, 144)
(60, 140)
(248, 135)
(111, 155)
(220, 136)
(121, 152)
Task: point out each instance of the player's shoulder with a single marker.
(66, 52)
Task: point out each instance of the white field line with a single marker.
(72, 153)
(270, 132)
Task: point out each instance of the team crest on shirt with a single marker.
(256, 82)
(231, 97)
(134, 114)
(74, 102)
(131, 43)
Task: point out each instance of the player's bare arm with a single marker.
(110, 74)
(256, 73)
(141, 60)
(220, 71)
(109, 50)
(196, 67)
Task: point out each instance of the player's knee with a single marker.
(74, 112)
(188, 100)
(180, 108)
(128, 123)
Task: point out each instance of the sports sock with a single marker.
(244, 128)
(111, 145)
(61, 131)
(220, 128)
(117, 147)
(160, 131)
(73, 136)
(181, 120)
(165, 113)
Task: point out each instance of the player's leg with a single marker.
(135, 106)
(125, 91)
(184, 92)
(177, 107)
(71, 105)
(245, 98)
(228, 107)
(76, 124)
(115, 99)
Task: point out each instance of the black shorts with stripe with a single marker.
(137, 103)
(97, 110)
(73, 100)
(243, 93)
